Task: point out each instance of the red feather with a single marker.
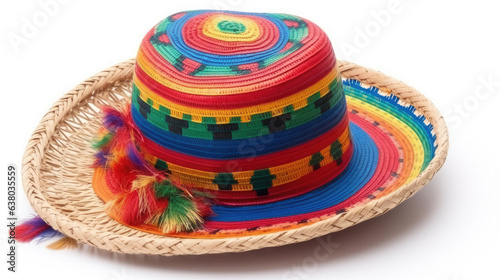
(34, 228)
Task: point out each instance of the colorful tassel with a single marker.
(138, 205)
(144, 195)
(34, 228)
(185, 211)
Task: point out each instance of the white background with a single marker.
(449, 50)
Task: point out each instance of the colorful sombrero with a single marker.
(231, 132)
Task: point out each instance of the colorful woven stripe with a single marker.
(240, 127)
(230, 87)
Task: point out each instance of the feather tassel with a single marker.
(144, 195)
(139, 204)
(34, 228)
(185, 211)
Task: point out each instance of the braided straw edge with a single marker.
(167, 246)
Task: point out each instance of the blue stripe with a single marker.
(359, 171)
(242, 148)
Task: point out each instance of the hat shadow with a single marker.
(348, 243)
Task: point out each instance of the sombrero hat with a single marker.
(230, 132)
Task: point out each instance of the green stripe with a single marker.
(334, 86)
(246, 130)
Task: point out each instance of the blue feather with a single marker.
(112, 120)
(134, 156)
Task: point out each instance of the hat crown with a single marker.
(248, 105)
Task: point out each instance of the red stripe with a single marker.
(266, 95)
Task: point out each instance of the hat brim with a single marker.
(400, 141)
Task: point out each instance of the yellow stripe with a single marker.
(298, 100)
(406, 130)
(251, 33)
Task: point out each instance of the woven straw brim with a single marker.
(57, 176)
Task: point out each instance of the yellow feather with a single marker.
(139, 184)
(63, 243)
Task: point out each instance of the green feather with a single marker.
(181, 213)
(103, 141)
(166, 189)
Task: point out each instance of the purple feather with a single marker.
(112, 119)
(134, 156)
(100, 159)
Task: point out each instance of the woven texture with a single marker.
(208, 84)
(60, 190)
